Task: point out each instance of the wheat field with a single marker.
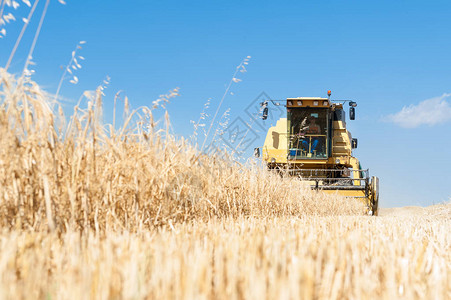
(97, 211)
(308, 257)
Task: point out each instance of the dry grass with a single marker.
(90, 211)
(310, 257)
(86, 175)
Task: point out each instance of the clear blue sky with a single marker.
(385, 55)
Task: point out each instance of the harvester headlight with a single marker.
(325, 103)
(315, 103)
(290, 103)
(299, 103)
(273, 160)
(337, 161)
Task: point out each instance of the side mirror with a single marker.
(265, 109)
(352, 105)
(354, 143)
(352, 113)
(265, 113)
(257, 152)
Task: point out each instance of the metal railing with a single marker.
(332, 179)
(296, 142)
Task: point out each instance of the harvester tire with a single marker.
(374, 188)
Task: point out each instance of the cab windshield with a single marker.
(307, 129)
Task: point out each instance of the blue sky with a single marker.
(386, 55)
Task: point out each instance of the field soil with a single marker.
(409, 211)
(402, 211)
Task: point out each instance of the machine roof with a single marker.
(308, 98)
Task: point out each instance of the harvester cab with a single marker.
(312, 143)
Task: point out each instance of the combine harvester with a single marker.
(312, 142)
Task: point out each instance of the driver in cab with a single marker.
(312, 128)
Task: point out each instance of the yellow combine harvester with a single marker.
(312, 142)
